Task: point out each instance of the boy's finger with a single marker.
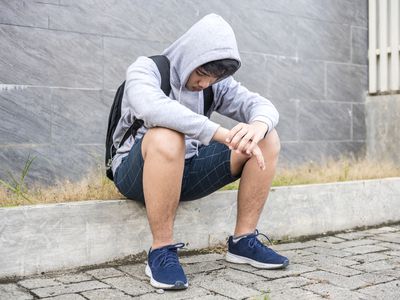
(260, 158)
(245, 142)
(233, 132)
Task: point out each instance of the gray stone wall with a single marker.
(61, 61)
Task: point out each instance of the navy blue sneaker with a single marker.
(164, 269)
(249, 250)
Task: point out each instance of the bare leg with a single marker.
(163, 153)
(254, 183)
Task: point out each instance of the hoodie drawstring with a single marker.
(198, 111)
(179, 95)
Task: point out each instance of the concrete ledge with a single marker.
(41, 238)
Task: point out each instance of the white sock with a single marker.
(236, 239)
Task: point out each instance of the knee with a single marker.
(272, 144)
(168, 143)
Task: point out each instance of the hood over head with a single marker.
(211, 38)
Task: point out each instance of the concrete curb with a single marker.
(40, 238)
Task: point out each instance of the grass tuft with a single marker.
(17, 186)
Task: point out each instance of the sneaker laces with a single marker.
(254, 242)
(167, 256)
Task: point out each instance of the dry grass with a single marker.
(344, 169)
(96, 186)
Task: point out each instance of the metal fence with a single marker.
(384, 46)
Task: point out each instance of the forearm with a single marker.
(220, 135)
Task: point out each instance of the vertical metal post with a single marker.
(394, 45)
(383, 45)
(372, 46)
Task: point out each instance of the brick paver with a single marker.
(105, 273)
(351, 265)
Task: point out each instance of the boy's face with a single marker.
(199, 80)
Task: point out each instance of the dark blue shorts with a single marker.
(202, 175)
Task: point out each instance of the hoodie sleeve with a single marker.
(237, 102)
(146, 100)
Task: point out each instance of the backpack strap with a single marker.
(208, 96)
(162, 63)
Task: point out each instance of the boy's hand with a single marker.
(222, 135)
(244, 137)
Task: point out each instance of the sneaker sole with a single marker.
(236, 259)
(179, 285)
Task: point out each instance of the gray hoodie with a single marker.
(209, 39)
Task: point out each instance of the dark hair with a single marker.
(221, 68)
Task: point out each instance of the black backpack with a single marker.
(163, 66)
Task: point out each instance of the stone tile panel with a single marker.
(68, 59)
(324, 121)
(23, 13)
(254, 72)
(359, 44)
(346, 82)
(323, 41)
(25, 115)
(79, 116)
(290, 78)
(269, 37)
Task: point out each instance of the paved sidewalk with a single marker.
(353, 265)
